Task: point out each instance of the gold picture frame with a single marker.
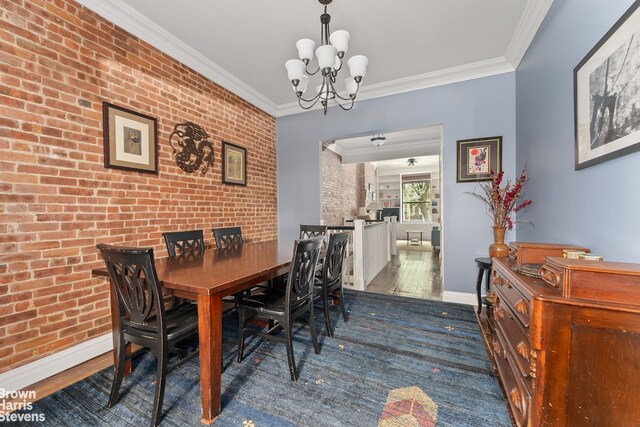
(130, 139)
(234, 164)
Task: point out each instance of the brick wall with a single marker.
(58, 62)
(339, 189)
(366, 175)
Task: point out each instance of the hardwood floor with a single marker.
(411, 273)
(64, 379)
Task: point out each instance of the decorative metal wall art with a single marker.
(190, 156)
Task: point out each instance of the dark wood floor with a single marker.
(411, 273)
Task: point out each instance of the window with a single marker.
(416, 197)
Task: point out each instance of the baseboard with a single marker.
(460, 297)
(24, 376)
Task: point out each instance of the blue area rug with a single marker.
(388, 343)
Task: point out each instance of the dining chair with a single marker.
(310, 231)
(143, 319)
(188, 242)
(282, 310)
(227, 237)
(329, 282)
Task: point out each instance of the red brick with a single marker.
(60, 198)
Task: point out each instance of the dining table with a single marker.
(207, 278)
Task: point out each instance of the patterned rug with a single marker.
(397, 362)
(425, 247)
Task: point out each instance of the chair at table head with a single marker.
(311, 231)
(135, 283)
(142, 318)
(229, 237)
(187, 242)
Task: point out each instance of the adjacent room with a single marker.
(214, 214)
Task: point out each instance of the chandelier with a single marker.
(412, 162)
(330, 56)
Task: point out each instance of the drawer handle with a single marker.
(496, 347)
(523, 350)
(522, 307)
(500, 313)
(514, 395)
(495, 279)
(550, 276)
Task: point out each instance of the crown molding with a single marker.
(475, 70)
(530, 21)
(128, 18)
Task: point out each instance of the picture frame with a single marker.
(607, 94)
(234, 164)
(130, 139)
(477, 157)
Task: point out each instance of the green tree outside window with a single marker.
(416, 201)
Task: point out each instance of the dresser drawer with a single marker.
(552, 275)
(512, 297)
(518, 396)
(516, 340)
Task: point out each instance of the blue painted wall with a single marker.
(597, 207)
(477, 108)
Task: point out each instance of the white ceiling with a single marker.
(425, 141)
(401, 166)
(411, 44)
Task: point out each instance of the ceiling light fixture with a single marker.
(330, 55)
(412, 162)
(378, 140)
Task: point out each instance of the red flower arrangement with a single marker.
(502, 199)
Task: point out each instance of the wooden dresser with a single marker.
(567, 346)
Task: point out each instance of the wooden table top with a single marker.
(218, 272)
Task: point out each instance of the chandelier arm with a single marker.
(315, 101)
(353, 101)
(306, 70)
(349, 98)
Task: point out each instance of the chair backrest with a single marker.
(302, 272)
(310, 231)
(227, 237)
(135, 283)
(188, 242)
(334, 259)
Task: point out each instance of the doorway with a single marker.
(362, 178)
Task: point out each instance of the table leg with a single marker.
(210, 338)
(407, 238)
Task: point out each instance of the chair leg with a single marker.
(312, 328)
(161, 377)
(290, 357)
(241, 322)
(121, 358)
(341, 302)
(327, 319)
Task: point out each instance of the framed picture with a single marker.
(477, 158)
(234, 164)
(130, 139)
(607, 95)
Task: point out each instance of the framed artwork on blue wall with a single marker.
(477, 158)
(607, 94)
